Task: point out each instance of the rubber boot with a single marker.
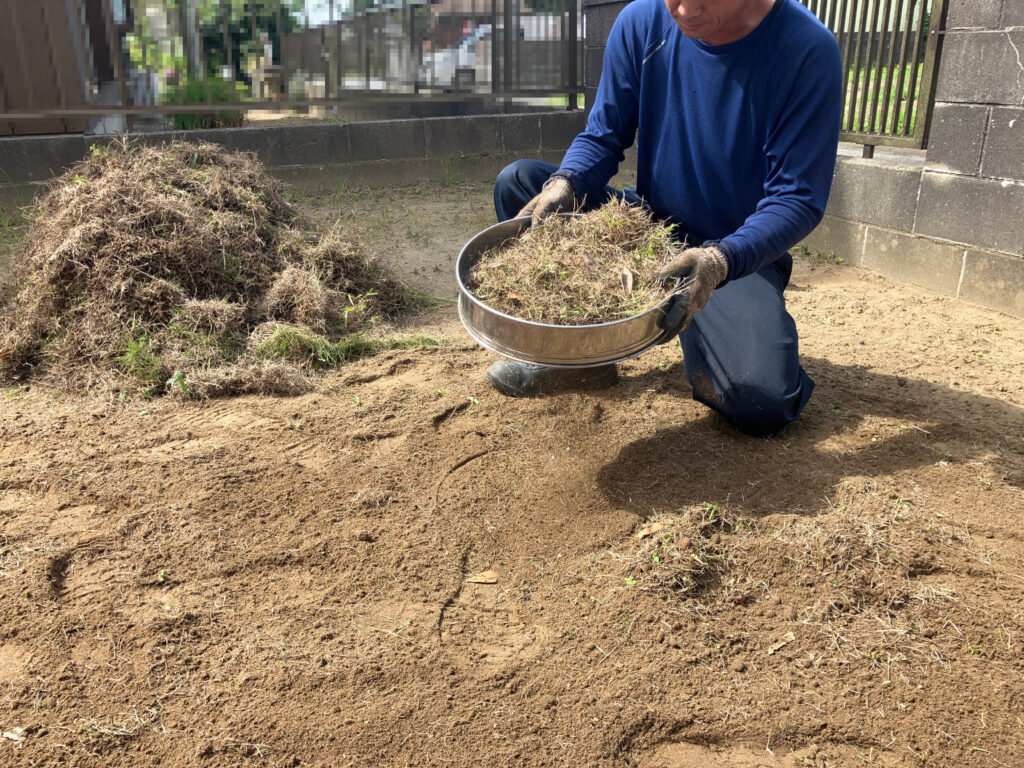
(524, 380)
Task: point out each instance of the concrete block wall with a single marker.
(950, 219)
(319, 158)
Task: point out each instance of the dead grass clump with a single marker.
(865, 582)
(299, 297)
(144, 264)
(577, 270)
(211, 315)
(271, 377)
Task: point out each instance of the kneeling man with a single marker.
(734, 106)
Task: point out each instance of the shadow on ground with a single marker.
(859, 423)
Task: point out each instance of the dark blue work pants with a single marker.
(740, 351)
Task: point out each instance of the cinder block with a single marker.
(974, 13)
(980, 67)
(462, 136)
(558, 129)
(257, 140)
(387, 140)
(309, 145)
(38, 158)
(957, 136)
(520, 133)
(600, 19)
(875, 193)
(593, 61)
(994, 280)
(459, 170)
(1013, 13)
(915, 260)
(1004, 144)
(985, 213)
(843, 238)
(553, 156)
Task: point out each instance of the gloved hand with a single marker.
(699, 271)
(557, 195)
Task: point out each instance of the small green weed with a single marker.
(288, 342)
(139, 359)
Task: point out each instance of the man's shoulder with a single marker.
(643, 13)
(798, 23)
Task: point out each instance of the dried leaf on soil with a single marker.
(787, 638)
(647, 530)
(484, 577)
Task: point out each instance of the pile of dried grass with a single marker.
(148, 269)
(863, 576)
(577, 270)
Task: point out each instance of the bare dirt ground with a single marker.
(406, 568)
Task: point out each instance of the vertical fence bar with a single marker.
(912, 100)
(858, 37)
(506, 48)
(207, 91)
(81, 26)
(574, 75)
(279, 51)
(898, 103)
(58, 77)
(847, 38)
(517, 50)
(23, 59)
(494, 47)
(882, 21)
(339, 56)
(930, 70)
(325, 34)
(226, 34)
(893, 21)
(833, 6)
(870, 15)
(113, 39)
(366, 49)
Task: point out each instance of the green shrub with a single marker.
(194, 91)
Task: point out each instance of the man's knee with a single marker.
(517, 184)
(509, 174)
(754, 408)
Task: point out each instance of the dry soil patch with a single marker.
(286, 581)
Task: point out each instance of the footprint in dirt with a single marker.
(690, 755)
(485, 639)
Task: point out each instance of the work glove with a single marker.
(698, 272)
(556, 195)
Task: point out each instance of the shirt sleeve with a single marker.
(594, 156)
(800, 155)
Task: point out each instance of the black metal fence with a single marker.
(890, 60)
(73, 65)
(106, 65)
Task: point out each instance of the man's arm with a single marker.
(595, 154)
(801, 157)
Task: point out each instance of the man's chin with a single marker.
(693, 31)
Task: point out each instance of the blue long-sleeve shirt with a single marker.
(736, 143)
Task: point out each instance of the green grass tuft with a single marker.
(289, 342)
(140, 360)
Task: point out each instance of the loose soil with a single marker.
(290, 581)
